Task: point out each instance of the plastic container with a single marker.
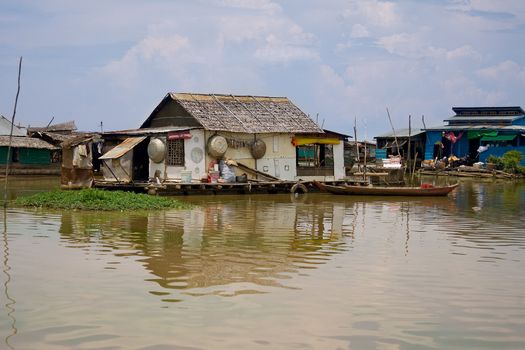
(185, 176)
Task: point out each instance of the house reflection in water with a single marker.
(259, 242)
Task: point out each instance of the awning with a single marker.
(299, 141)
(393, 144)
(474, 134)
(499, 138)
(123, 148)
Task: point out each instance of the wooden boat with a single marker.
(427, 190)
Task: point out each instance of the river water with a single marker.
(269, 272)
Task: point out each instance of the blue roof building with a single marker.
(478, 132)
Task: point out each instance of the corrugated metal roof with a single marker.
(402, 133)
(484, 119)
(481, 110)
(517, 128)
(123, 148)
(5, 128)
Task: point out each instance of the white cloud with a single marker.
(170, 52)
(374, 12)
(276, 40)
(265, 5)
(514, 7)
(463, 52)
(409, 46)
(507, 71)
(417, 46)
(461, 91)
(277, 50)
(359, 31)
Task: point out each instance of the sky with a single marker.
(341, 61)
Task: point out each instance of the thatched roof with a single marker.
(51, 137)
(62, 127)
(25, 142)
(79, 139)
(246, 114)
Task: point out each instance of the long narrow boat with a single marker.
(387, 190)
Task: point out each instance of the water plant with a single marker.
(508, 162)
(96, 199)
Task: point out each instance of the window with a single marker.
(175, 152)
(307, 156)
(315, 155)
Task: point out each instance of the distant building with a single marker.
(478, 132)
(65, 128)
(27, 155)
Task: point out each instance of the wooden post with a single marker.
(355, 140)
(8, 156)
(366, 136)
(414, 168)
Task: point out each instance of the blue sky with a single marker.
(114, 60)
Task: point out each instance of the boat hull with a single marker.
(387, 191)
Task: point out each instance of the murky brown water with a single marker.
(270, 272)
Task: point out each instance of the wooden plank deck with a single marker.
(196, 188)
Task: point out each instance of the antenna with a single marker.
(47, 126)
(101, 126)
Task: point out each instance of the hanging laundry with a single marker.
(453, 138)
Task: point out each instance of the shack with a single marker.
(475, 133)
(77, 161)
(200, 137)
(28, 156)
(399, 143)
(359, 152)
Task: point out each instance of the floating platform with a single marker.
(196, 188)
(469, 172)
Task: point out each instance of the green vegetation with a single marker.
(94, 199)
(509, 162)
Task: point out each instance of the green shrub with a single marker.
(496, 161)
(95, 199)
(511, 161)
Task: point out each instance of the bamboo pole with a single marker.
(394, 131)
(8, 156)
(409, 134)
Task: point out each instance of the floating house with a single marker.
(193, 137)
(27, 155)
(26, 152)
(477, 132)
